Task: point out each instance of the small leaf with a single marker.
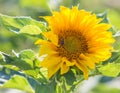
(31, 29)
(104, 16)
(110, 69)
(29, 58)
(27, 54)
(117, 41)
(6, 58)
(18, 82)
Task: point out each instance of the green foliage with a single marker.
(111, 69)
(18, 82)
(24, 61)
(70, 77)
(117, 42)
(27, 62)
(21, 24)
(46, 88)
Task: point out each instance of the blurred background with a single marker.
(34, 8)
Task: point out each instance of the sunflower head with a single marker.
(77, 38)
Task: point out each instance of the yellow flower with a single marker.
(77, 38)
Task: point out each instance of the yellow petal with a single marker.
(83, 68)
(40, 41)
(46, 50)
(87, 61)
(52, 63)
(103, 26)
(67, 62)
(52, 37)
(64, 10)
(46, 47)
(64, 68)
(102, 55)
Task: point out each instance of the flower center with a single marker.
(72, 45)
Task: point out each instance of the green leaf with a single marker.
(25, 60)
(6, 74)
(117, 41)
(27, 54)
(15, 61)
(66, 82)
(70, 77)
(61, 86)
(46, 88)
(27, 63)
(22, 24)
(110, 69)
(6, 61)
(31, 29)
(6, 58)
(104, 17)
(18, 82)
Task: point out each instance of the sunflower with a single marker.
(77, 38)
